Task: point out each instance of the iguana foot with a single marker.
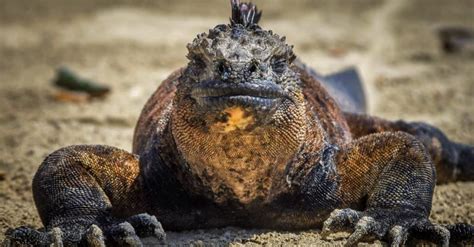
(141, 225)
(146, 225)
(127, 233)
(392, 225)
(27, 236)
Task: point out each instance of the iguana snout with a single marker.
(238, 105)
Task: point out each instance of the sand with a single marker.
(132, 47)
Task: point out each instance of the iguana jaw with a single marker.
(258, 96)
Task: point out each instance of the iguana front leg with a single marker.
(392, 174)
(89, 195)
(453, 161)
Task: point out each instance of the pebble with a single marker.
(3, 175)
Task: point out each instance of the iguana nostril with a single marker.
(253, 68)
(222, 68)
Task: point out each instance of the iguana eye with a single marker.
(222, 68)
(253, 67)
(199, 62)
(279, 66)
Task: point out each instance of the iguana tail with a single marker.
(464, 170)
(344, 86)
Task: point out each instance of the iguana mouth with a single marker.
(262, 94)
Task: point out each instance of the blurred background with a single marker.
(131, 46)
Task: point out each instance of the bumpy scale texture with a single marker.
(246, 136)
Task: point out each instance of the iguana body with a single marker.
(242, 136)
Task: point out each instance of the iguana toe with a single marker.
(427, 231)
(340, 220)
(95, 236)
(123, 234)
(146, 225)
(398, 235)
(367, 228)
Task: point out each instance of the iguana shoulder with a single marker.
(156, 112)
(323, 105)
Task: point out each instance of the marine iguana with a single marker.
(245, 135)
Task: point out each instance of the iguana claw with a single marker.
(384, 224)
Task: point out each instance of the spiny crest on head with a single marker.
(242, 30)
(245, 14)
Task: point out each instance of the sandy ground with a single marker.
(133, 47)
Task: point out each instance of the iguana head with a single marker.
(239, 76)
(239, 112)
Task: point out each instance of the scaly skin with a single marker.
(453, 161)
(243, 137)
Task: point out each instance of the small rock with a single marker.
(3, 175)
(337, 51)
(422, 57)
(67, 79)
(456, 39)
